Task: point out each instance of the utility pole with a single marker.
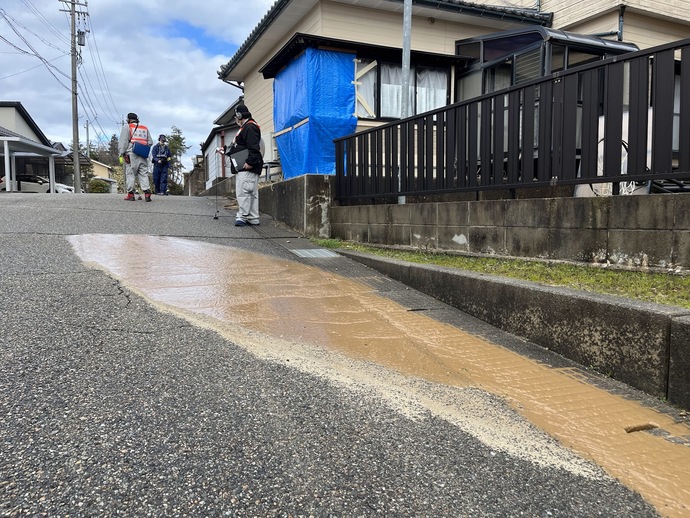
(405, 83)
(88, 153)
(407, 36)
(75, 108)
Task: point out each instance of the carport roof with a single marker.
(20, 144)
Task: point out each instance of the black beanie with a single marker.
(132, 117)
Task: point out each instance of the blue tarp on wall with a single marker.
(316, 87)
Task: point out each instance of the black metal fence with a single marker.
(624, 121)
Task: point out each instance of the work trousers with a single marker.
(247, 193)
(160, 178)
(137, 169)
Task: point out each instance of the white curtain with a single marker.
(391, 86)
(432, 89)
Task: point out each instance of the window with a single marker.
(365, 85)
(498, 77)
(576, 57)
(470, 85)
(391, 89)
(432, 89)
(379, 89)
(557, 58)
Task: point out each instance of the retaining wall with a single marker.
(644, 345)
(650, 230)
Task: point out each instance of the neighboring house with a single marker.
(644, 23)
(101, 170)
(215, 167)
(104, 172)
(314, 70)
(24, 149)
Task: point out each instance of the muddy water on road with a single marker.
(294, 303)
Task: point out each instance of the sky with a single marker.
(158, 59)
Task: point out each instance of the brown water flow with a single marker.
(296, 302)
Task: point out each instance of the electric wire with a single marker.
(105, 87)
(37, 13)
(49, 66)
(89, 98)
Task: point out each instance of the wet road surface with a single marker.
(131, 393)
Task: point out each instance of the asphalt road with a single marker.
(110, 406)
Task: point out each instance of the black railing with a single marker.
(618, 121)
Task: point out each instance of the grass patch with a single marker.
(658, 287)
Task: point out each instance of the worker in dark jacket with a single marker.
(247, 165)
(160, 156)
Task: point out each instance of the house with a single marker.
(215, 167)
(101, 170)
(315, 52)
(104, 172)
(24, 149)
(644, 23)
(314, 70)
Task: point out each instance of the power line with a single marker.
(94, 98)
(33, 52)
(17, 22)
(45, 22)
(113, 113)
(28, 69)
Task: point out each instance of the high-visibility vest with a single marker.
(138, 133)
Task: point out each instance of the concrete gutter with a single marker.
(644, 345)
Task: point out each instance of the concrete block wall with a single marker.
(301, 203)
(651, 230)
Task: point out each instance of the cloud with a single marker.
(156, 58)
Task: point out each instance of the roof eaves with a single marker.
(253, 37)
(490, 11)
(215, 131)
(504, 13)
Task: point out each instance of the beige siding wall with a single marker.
(605, 23)
(567, 12)
(10, 119)
(644, 31)
(259, 99)
(648, 32)
(354, 23)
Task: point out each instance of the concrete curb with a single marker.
(644, 345)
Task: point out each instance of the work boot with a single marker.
(130, 197)
(147, 195)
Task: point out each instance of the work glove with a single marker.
(121, 160)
